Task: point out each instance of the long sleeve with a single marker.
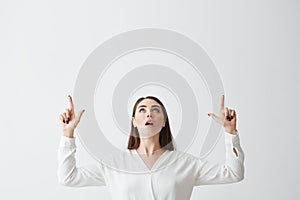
(71, 175)
(229, 172)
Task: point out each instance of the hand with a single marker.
(68, 121)
(227, 118)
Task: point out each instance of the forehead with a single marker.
(148, 103)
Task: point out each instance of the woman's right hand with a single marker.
(69, 121)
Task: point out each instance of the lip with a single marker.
(149, 121)
(149, 126)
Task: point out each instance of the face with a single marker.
(149, 118)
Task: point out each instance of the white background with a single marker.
(254, 44)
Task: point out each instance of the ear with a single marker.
(133, 121)
(165, 120)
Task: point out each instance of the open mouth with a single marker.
(149, 124)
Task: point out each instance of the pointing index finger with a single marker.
(71, 104)
(222, 102)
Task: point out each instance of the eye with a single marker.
(142, 110)
(156, 110)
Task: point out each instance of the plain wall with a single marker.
(254, 44)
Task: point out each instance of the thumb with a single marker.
(212, 115)
(216, 118)
(78, 117)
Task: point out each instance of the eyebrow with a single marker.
(151, 106)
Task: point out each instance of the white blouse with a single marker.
(172, 177)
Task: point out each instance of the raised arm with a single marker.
(68, 173)
(230, 172)
(233, 168)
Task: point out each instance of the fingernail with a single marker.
(67, 122)
(64, 121)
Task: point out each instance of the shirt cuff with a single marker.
(67, 142)
(232, 139)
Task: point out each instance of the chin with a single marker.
(147, 134)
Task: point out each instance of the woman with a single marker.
(171, 174)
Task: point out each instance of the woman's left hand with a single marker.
(227, 118)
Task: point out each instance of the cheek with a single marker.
(161, 119)
(139, 118)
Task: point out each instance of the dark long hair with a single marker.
(165, 135)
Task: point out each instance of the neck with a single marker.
(149, 146)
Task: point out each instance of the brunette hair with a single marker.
(165, 135)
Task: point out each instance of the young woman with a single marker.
(171, 174)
